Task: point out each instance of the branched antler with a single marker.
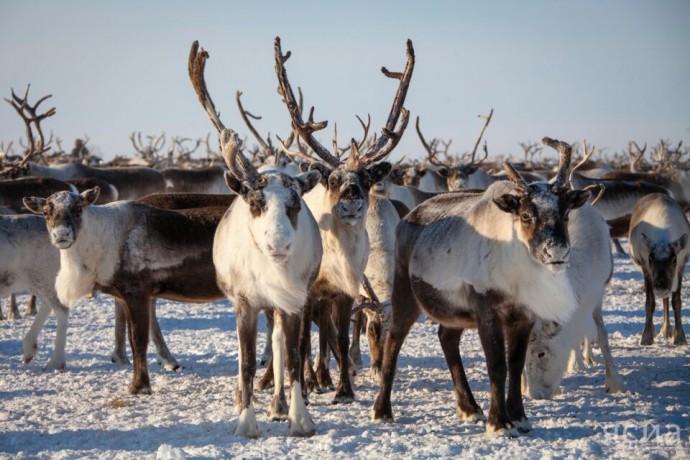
(36, 145)
(487, 120)
(230, 143)
(378, 149)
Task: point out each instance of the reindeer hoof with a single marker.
(471, 417)
(646, 341)
(119, 360)
(501, 431)
(523, 425)
(55, 366)
(140, 390)
(170, 365)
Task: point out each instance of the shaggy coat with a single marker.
(133, 252)
(551, 343)
(659, 246)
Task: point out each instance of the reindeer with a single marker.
(208, 179)
(267, 254)
(133, 252)
(659, 246)
(339, 204)
(494, 260)
(589, 270)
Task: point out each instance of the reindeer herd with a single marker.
(309, 234)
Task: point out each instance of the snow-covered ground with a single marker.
(85, 411)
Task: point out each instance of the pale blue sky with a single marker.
(607, 71)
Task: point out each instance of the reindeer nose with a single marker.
(352, 205)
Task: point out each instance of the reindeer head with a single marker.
(63, 213)
(662, 262)
(541, 211)
(274, 199)
(457, 176)
(546, 359)
(348, 183)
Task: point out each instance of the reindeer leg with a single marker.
(299, 420)
(614, 383)
(57, 361)
(119, 354)
(137, 310)
(518, 329)
(30, 344)
(13, 313)
(343, 392)
(648, 332)
(666, 321)
(246, 332)
(31, 306)
(619, 248)
(355, 352)
(268, 349)
(323, 375)
(375, 338)
(266, 380)
(165, 358)
(467, 408)
(490, 329)
(308, 376)
(405, 313)
(278, 409)
(678, 332)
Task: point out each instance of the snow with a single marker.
(85, 411)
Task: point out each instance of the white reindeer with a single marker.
(659, 246)
(589, 270)
(267, 253)
(495, 261)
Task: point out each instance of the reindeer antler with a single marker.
(479, 139)
(565, 152)
(229, 141)
(28, 114)
(305, 130)
(389, 137)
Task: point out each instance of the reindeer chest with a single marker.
(343, 261)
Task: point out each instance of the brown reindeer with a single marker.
(340, 205)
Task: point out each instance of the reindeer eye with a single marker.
(541, 354)
(332, 182)
(525, 217)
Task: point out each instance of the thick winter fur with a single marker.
(267, 252)
(658, 240)
(29, 262)
(130, 182)
(133, 252)
(340, 209)
(202, 180)
(382, 220)
(409, 196)
(495, 261)
(13, 191)
(551, 343)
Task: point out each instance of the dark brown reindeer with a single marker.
(495, 261)
(340, 205)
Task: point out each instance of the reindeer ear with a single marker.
(379, 171)
(577, 198)
(324, 170)
(34, 204)
(308, 180)
(508, 203)
(89, 197)
(235, 184)
(471, 169)
(680, 243)
(444, 171)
